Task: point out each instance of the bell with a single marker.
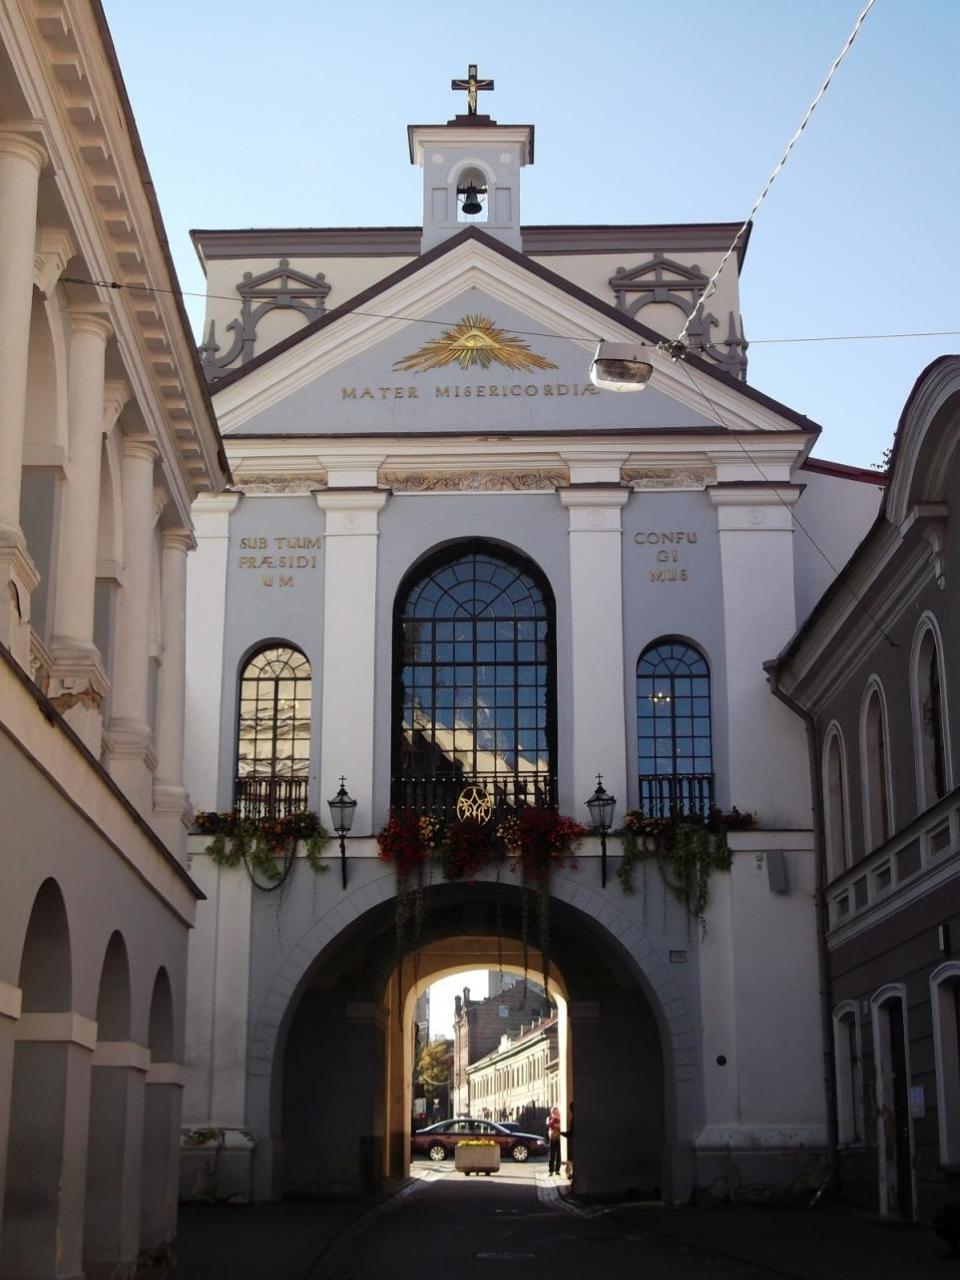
(471, 201)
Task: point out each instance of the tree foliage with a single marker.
(433, 1064)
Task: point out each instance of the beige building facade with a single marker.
(106, 439)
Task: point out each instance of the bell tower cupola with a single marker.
(471, 170)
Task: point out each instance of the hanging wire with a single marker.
(712, 282)
(858, 600)
(536, 333)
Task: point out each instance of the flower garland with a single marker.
(538, 841)
(409, 841)
(687, 850)
(265, 846)
(467, 847)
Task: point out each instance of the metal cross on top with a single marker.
(471, 86)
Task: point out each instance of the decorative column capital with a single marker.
(93, 321)
(178, 539)
(351, 511)
(753, 493)
(116, 393)
(140, 447)
(754, 506)
(54, 250)
(215, 504)
(594, 508)
(21, 147)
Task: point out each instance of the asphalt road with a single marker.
(446, 1226)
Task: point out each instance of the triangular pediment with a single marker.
(473, 338)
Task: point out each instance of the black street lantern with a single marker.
(342, 809)
(601, 806)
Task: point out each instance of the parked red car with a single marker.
(439, 1140)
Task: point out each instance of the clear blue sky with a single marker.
(294, 114)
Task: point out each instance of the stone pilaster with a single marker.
(47, 1156)
(21, 160)
(78, 682)
(206, 622)
(170, 799)
(596, 614)
(765, 742)
(161, 1158)
(111, 1229)
(349, 630)
(10, 1004)
(131, 760)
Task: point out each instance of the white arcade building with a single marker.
(448, 559)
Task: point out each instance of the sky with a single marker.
(442, 995)
(646, 111)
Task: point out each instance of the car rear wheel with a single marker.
(520, 1153)
(437, 1152)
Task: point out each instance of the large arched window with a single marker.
(474, 685)
(849, 1074)
(273, 734)
(673, 730)
(875, 768)
(928, 716)
(835, 805)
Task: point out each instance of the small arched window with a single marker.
(849, 1075)
(929, 720)
(835, 805)
(875, 764)
(945, 1004)
(674, 748)
(273, 736)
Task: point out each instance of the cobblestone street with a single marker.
(449, 1227)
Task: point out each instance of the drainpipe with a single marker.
(831, 1182)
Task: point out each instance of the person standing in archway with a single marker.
(553, 1139)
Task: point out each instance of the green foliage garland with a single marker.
(265, 846)
(687, 850)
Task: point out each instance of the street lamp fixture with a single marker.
(342, 809)
(601, 805)
(621, 366)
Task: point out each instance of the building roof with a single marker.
(647, 335)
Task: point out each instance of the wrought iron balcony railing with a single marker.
(269, 797)
(439, 795)
(676, 795)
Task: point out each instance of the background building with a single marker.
(480, 1025)
(106, 439)
(520, 1079)
(872, 672)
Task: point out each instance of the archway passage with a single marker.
(341, 1096)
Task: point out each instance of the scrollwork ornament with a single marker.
(474, 803)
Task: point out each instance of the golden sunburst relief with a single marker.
(474, 341)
